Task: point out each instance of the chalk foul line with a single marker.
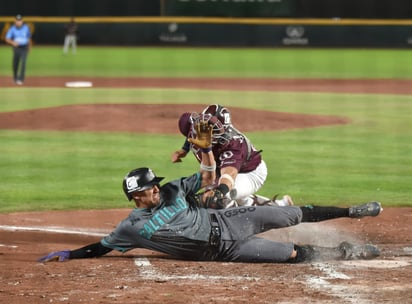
(53, 230)
(148, 272)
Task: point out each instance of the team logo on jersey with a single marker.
(225, 156)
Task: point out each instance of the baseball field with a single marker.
(334, 127)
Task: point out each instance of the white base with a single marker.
(79, 84)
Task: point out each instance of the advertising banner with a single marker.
(231, 34)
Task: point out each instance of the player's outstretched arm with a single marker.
(177, 156)
(203, 140)
(89, 251)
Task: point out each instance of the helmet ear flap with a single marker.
(129, 196)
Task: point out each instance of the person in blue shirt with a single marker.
(19, 37)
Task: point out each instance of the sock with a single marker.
(304, 254)
(318, 213)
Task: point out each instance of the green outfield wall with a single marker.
(227, 8)
(238, 32)
(373, 9)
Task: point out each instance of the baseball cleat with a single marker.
(368, 209)
(285, 201)
(352, 252)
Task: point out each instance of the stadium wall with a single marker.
(237, 32)
(373, 9)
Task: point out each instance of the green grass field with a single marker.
(220, 62)
(368, 159)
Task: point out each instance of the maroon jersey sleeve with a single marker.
(237, 154)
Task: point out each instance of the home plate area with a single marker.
(383, 280)
(145, 276)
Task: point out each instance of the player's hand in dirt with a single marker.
(203, 135)
(58, 256)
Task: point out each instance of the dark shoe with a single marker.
(309, 253)
(368, 209)
(352, 252)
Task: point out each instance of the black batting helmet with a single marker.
(139, 180)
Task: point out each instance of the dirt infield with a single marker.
(144, 276)
(156, 118)
(375, 86)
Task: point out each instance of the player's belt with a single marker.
(214, 237)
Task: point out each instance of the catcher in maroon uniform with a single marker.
(166, 219)
(240, 169)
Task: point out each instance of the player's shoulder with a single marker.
(236, 143)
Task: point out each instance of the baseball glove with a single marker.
(203, 137)
(58, 256)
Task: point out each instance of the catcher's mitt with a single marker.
(203, 134)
